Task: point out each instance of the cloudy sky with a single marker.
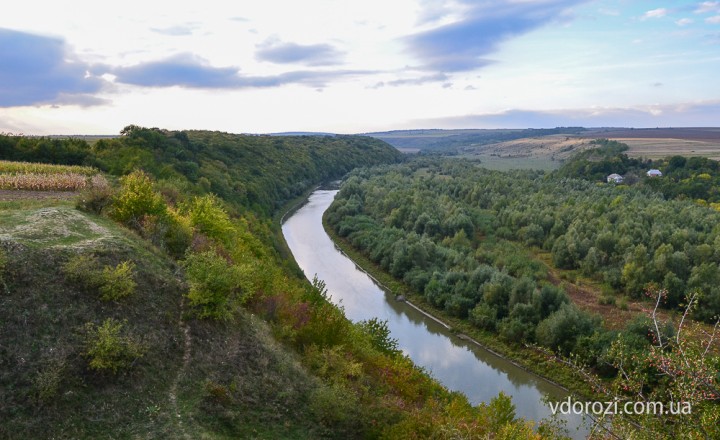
(80, 67)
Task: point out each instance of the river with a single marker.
(459, 365)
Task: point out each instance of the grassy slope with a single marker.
(177, 389)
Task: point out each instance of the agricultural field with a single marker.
(10, 167)
(541, 152)
(44, 177)
(658, 143)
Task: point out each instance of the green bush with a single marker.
(117, 282)
(112, 283)
(208, 216)
(83, 271)
(109, 349)
(380, 335)
(561, 330)
(136, 199)
(214, 284)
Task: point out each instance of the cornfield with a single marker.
(8, 167)
(44, 182)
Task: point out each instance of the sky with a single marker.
(262, 66)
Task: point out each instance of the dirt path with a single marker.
(14, 194)
(587, 299)
(172, 395)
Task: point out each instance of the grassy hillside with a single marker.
(174, 388)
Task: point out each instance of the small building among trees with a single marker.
(654, 173)
(615, 178)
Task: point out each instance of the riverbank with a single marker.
(530, 359)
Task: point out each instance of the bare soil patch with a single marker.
(12, 194)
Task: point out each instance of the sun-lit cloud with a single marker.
(713, 20)
(276, 51)
(466, 44)
(684, 21)
(42, 70)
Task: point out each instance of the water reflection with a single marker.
(460, 365)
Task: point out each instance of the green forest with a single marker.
(465, 240)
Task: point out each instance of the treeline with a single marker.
(692, 178)
(254, 172)
(43, 149)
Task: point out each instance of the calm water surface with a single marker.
(457, 364)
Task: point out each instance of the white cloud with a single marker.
(684, 21)
(655, 13)
(707, 7)
(713, 20)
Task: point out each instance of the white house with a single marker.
(654, 173)
(614, 178)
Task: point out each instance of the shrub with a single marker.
(208, 216)
(334, 406)
(112, 283)
(109, 349)
(178, 234)
(484, 316)
(562, 329)
(606, 300)
(3, 265)
(214, 284)
(380, 335)
(117, 282)
(136, 199)
(83, 270)
(95, 197)
(47, 381)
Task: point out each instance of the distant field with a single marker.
(542, 152)
(548, 152)
(656, 143)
